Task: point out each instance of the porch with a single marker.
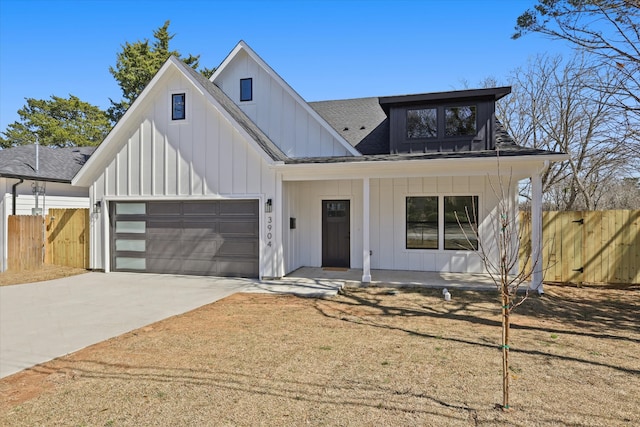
(317, 281)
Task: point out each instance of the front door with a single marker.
(336, 242)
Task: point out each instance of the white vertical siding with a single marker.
(278, 113)
(303, 201)
(388, 205)
(201, 157)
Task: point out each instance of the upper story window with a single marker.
(422, 123)
(178, 106)
(246, 89)
(460, 120)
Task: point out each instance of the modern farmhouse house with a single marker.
(239, 176)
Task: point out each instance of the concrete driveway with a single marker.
(45, 320)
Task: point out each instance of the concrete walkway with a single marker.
(44, 320)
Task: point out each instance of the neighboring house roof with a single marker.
(54, 164)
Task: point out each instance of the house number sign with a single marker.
(269, 229)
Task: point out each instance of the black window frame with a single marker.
(468, 234)
(174, 97)
(408, 136)
(244, 97)
(444, 219)
(422, 224)
(445, 124)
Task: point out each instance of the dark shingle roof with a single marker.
(360, 121)
(238, 115)
(54, 164)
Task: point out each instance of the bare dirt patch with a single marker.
(371, 356)
(47, 272)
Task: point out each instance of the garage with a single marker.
(199, 237)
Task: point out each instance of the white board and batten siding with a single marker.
(303, 201)
(280, 115)
(303, 246)
(202, 157)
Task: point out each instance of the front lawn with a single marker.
(371, 356)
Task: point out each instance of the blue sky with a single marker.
(323, 49)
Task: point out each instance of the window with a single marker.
(178, 103)
(453, 217)
(246, 89)
(422, 222)
(460, 120)
(422, 123)
(460, 217)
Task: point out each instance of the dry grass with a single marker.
(366, 357)
(47, 272)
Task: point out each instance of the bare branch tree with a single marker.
(554, 107)
(499, 249)
(608, 31)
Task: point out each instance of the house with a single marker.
(238, 175)
(35, 178)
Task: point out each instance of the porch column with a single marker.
(366, 250)
(536, 232)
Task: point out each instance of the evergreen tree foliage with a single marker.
(139, 61)
(60, 122)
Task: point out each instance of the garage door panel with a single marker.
(237, 248)
(188, 237)
(237, 267)
(200, 208)
(204, 249)
(164, 208)
(241, 228)
(238, 207)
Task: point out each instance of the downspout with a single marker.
(15, 195)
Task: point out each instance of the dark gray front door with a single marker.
(336, 242)
(217, 238)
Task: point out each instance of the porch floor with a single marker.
(392, 278)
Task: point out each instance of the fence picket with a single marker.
(606, 246)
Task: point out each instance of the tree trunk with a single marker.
(505, 350)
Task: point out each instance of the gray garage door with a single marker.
(217, 238)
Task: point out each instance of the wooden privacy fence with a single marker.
(25, 243)
(587, 246)
(63, 235)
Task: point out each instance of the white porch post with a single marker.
(536, 232)
(366, 250)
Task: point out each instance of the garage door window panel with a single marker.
(128, 263)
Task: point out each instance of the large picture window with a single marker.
(453, 217)
(460, 217)
(422, 222)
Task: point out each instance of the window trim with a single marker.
(187, 106)
(441, 221)
(250, 98)
(184, 106)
